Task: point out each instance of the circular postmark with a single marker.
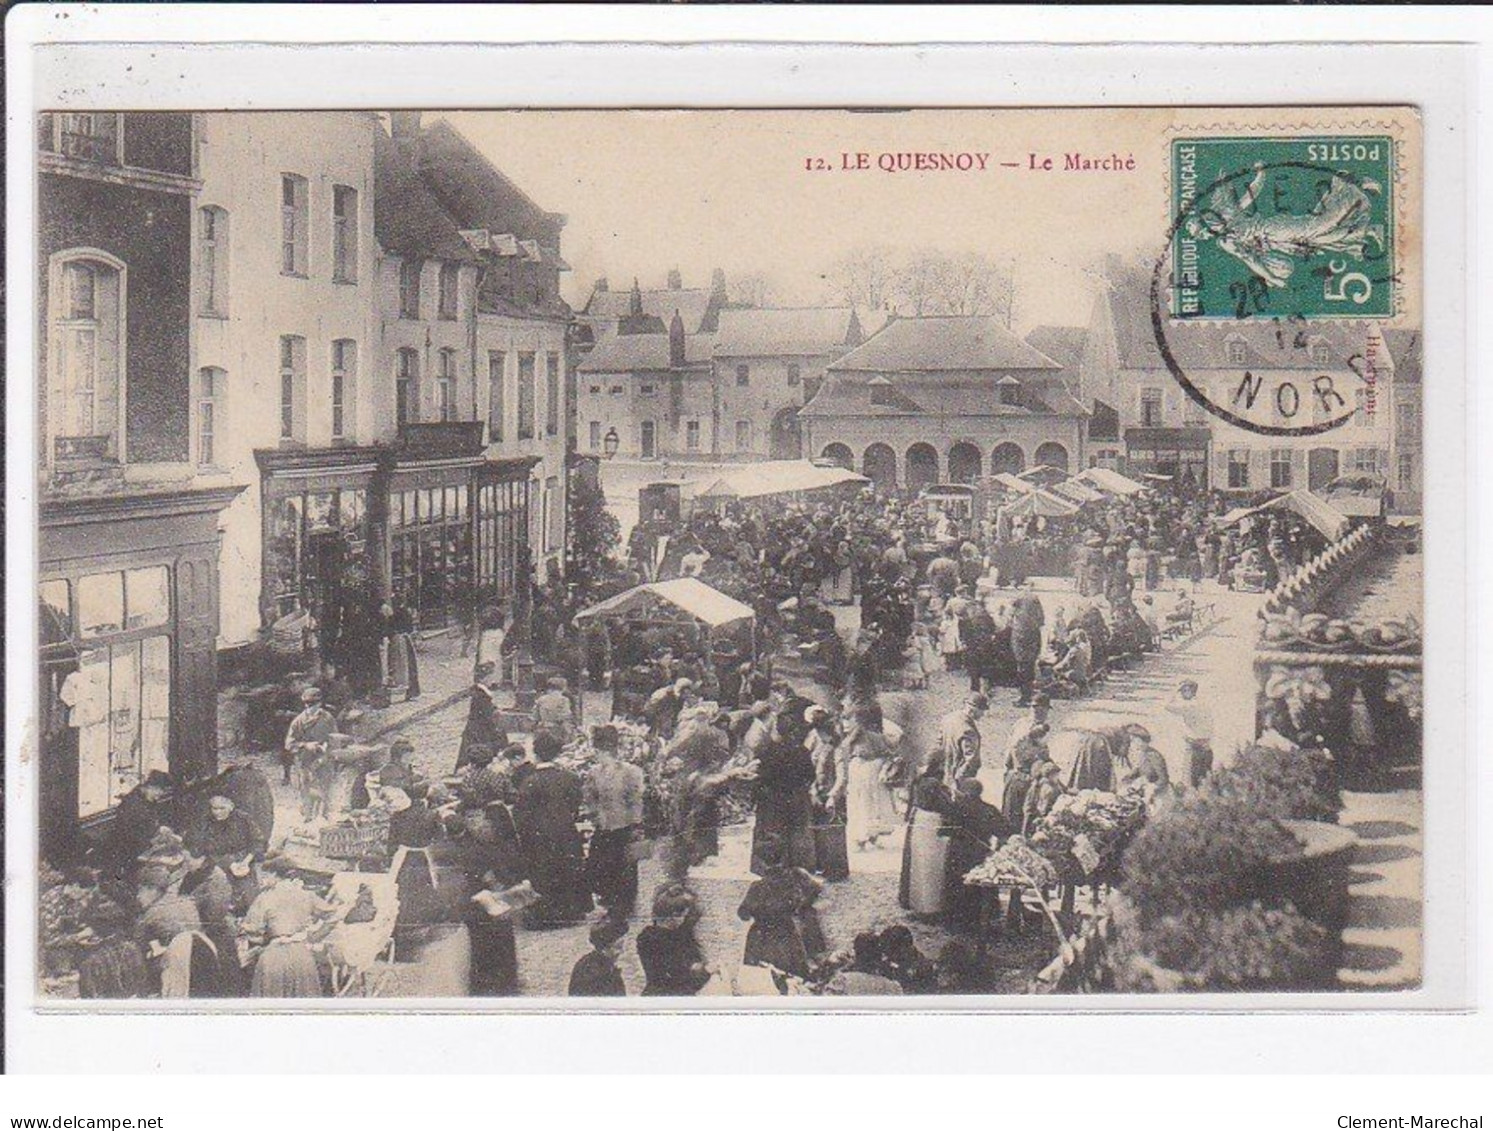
(1283, 362)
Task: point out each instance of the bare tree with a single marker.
(864, 278)
(970, 284)
(754, 288)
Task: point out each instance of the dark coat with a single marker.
(596, 975)
(545, 813)
(670, 957)
(482, 726)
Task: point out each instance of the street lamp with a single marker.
(610, 443)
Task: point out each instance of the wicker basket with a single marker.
(355, 842)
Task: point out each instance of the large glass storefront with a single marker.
(316, 550)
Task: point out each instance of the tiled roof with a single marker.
(644, 353)
(941, 344)
(849, 394)
(693, 306)
(784, 331)
(1064, 344)
(408, 219)
(477, 194)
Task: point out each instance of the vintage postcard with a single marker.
(727, 554)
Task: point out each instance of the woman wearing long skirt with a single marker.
(774, 905)
(281, 917)
(784, 792)
(404, 666)
(926, 849)
(863, 763)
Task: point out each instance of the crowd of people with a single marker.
(550, 828)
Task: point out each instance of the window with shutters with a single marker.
(445, 385)
(409, 288)
(551, 394)
(344, 380)
(294, 225)
(526, 396)
(212, 260)
(344, 234)
(497, 394)
(407, 386)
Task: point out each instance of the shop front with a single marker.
(318, 535)
(128, 592)
(1178, 453)
(457, 522)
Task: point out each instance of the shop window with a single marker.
(294, 225)
(344, 385)
(407, 386)
(292, 389)
(497, 399)
(445, 385)
(1280, 468)
(212, 391)
(212, 255)
(344, 234)
(119, 700)
(409, 288)
(551, 394)
(1238, 469)
(87, 311)
(447, 292)
(526, 395)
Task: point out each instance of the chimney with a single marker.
(718, 287)
(404, 125)
(676, 342)
(601, 285)
(635, 306)
(676, 282)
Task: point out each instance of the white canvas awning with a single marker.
(1326, 519)
(1075, 490)
(1110, 481)
(1014, 482)
(689, 595)
(1040, 502)
(776, 477)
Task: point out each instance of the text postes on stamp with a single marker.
(1276, 227)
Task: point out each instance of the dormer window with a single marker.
(1321, 354)
(881, 392)
(1234, 350)
(1009, 391)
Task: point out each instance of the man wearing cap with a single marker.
(306, 745)
(959, 741)
(613, 794)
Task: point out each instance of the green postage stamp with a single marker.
(1272, 227)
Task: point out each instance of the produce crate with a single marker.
(355, 842)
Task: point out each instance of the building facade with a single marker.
(288, 396)
(943, 399)
(652, 394)
(128, 558)
(1144, 423)
(768, 363)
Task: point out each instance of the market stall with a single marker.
(714, 624)
(788, 478)
(1110, 482)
